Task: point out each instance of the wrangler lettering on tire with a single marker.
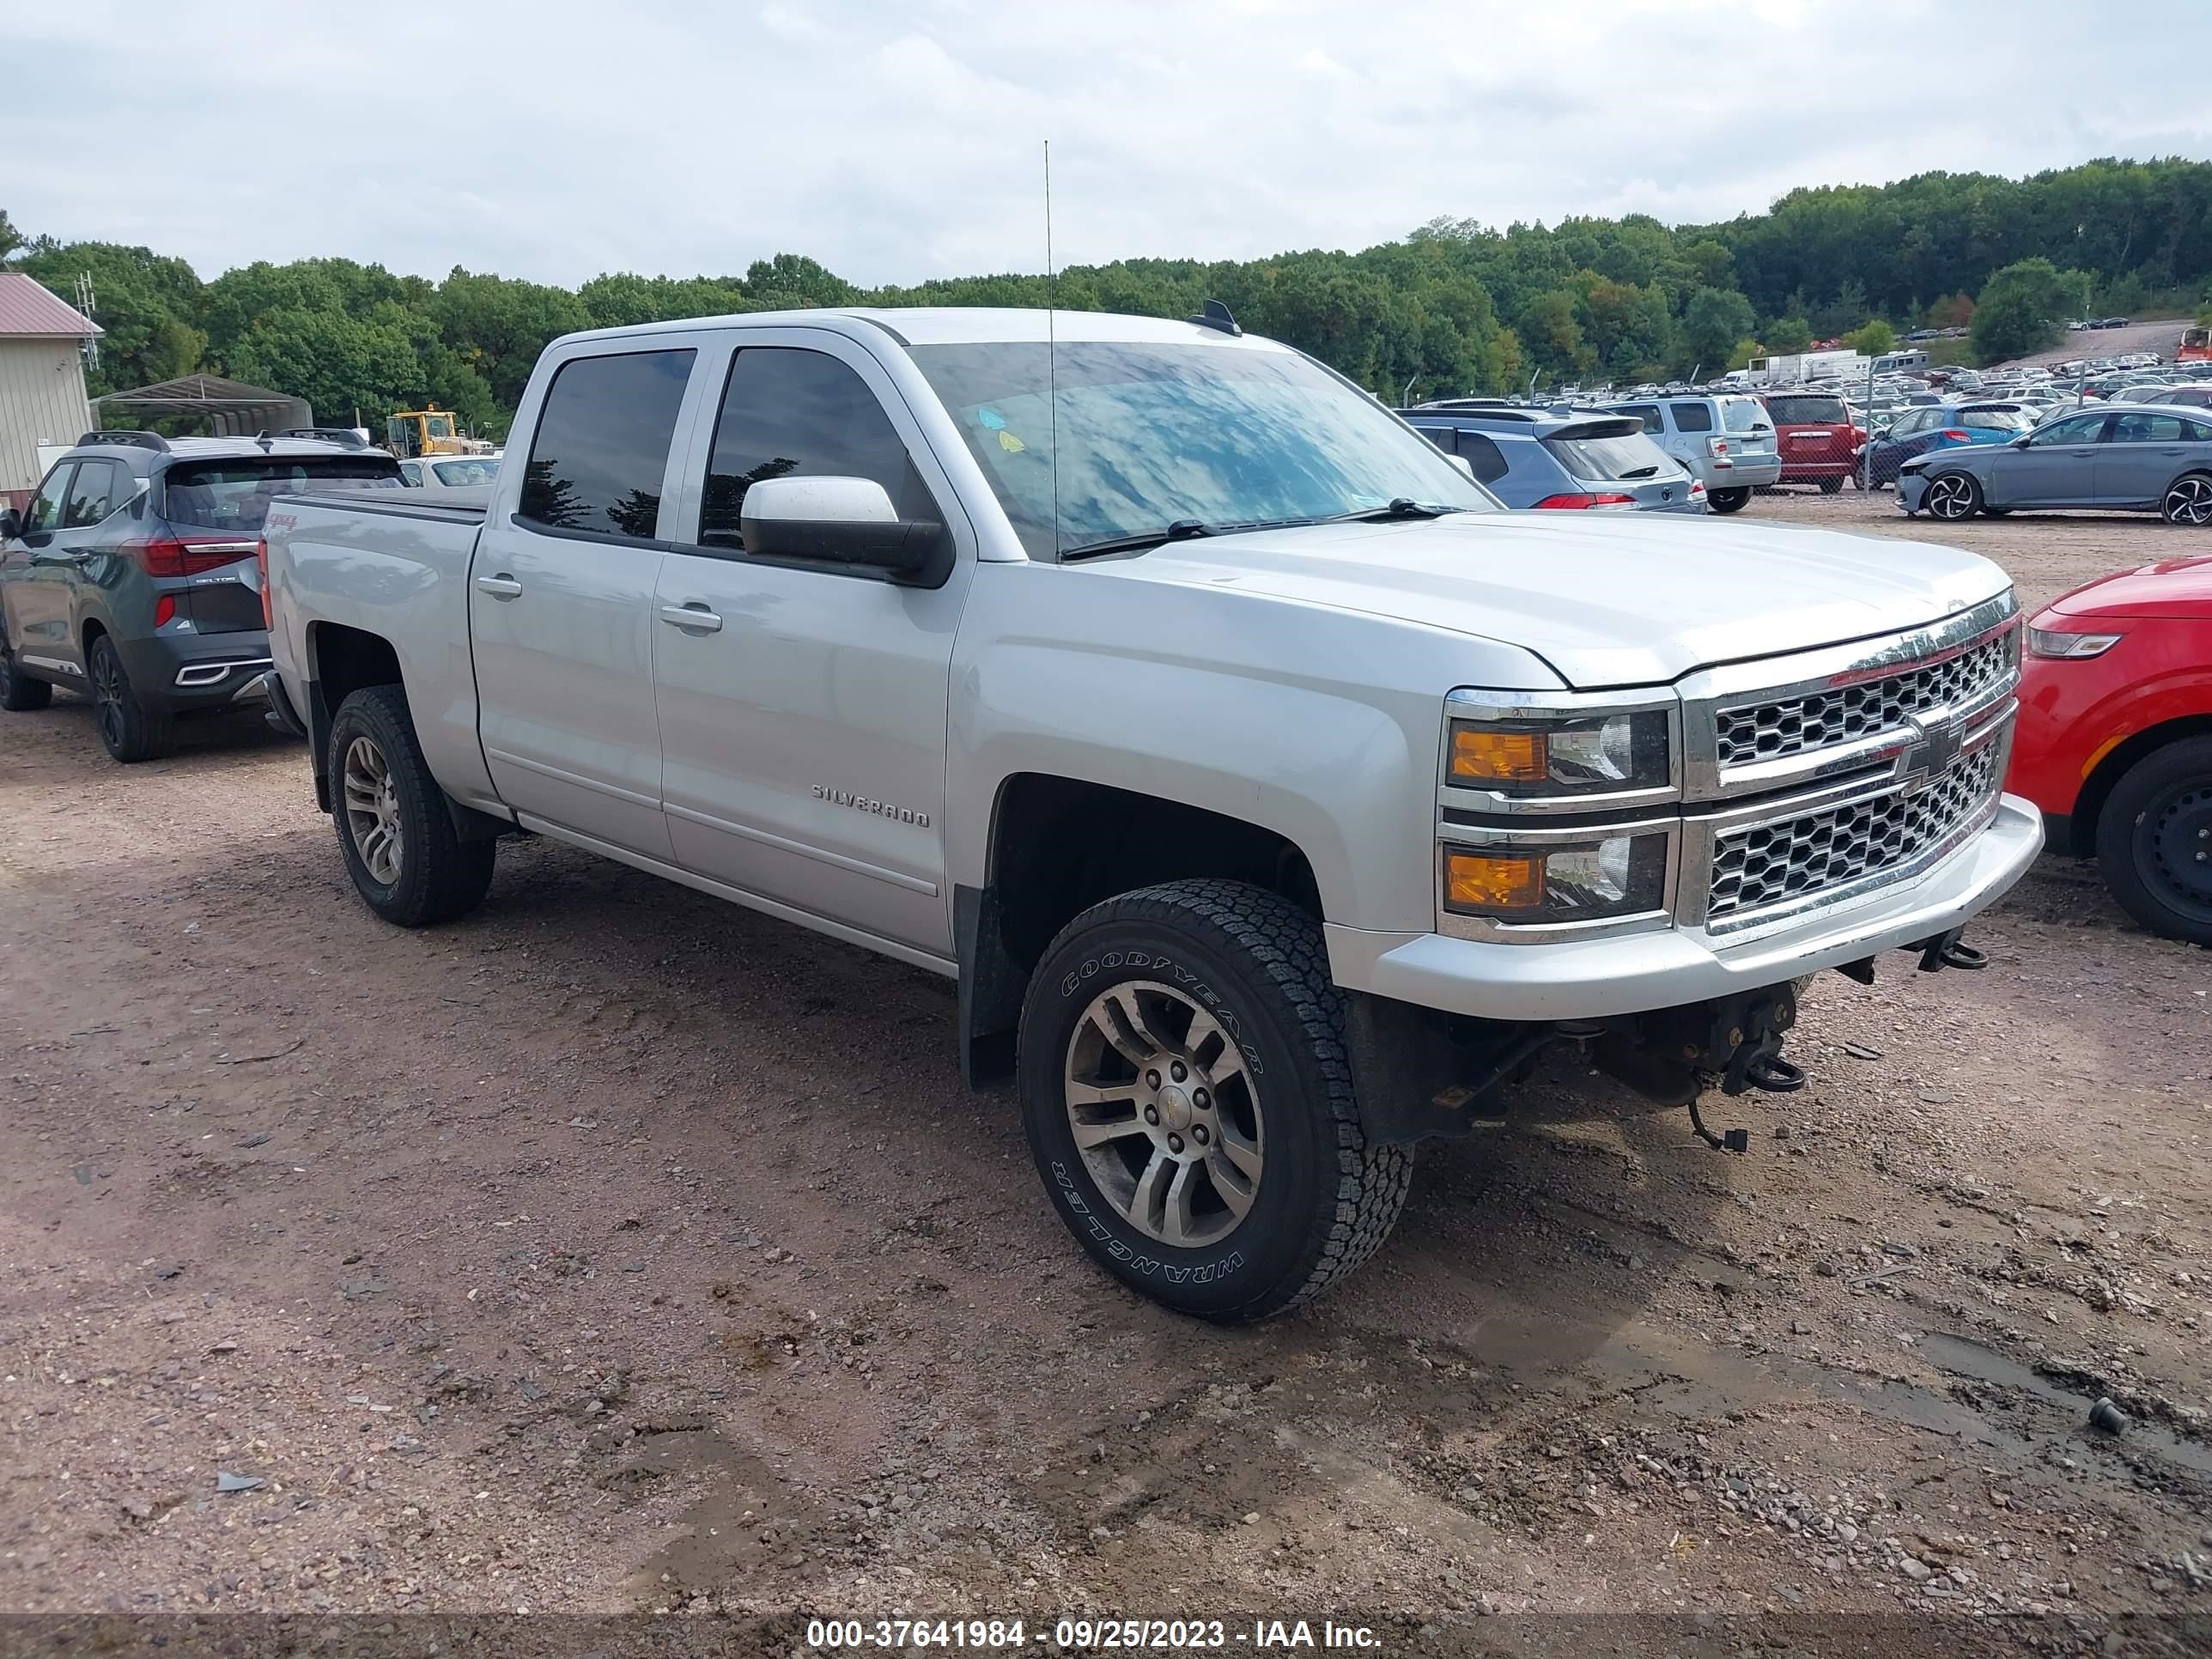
(1188, 1101)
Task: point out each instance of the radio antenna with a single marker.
(1052, 349)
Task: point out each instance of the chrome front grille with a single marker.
(1816, 855)
(1818, 720)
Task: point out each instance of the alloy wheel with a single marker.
(108, 690)
(1951, 496)
(372, 809)
(2190, 502)
(1165, 1114)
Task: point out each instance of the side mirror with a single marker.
(2020, 442)
(11, 524)
(835, 521)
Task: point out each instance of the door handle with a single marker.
(501, 587)
(693, 616)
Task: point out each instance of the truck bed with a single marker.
(398, 571)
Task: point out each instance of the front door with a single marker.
(2056, 467)
(802, 705)
(561, 602)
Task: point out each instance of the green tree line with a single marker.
(1455, 307)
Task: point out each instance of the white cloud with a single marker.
(897, 141)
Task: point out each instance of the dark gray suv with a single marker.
(133, 578)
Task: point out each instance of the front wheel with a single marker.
(19, 693)
(406, 860)
(1952, 496)
(1831, 486)
(1188, 1101)
(2188, 499)
(2154, 841)
(1727, 501)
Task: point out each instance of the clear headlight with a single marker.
(2047, 642)
(1607, 876)
(1603, 754)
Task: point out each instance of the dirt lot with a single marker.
(615, 1250)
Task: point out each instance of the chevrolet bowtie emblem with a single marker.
(1931, 756)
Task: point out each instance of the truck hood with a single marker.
(1606, 598)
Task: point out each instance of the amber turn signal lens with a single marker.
(1497, 756)
(1474, 882)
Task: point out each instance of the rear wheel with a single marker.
(19, 693)
(1831, 486)
(129, 730)
(1952, 496)
(407, 860)
(1188, 1101)
(1727, 501)
(2188, 499)
(2154, 841)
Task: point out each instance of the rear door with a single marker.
(561, 596)
(803, 705)
(39, 570)
(2057, 468)
(2141, 454)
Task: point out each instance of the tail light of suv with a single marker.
(183, 555)
(261, 564)
(1587, 501)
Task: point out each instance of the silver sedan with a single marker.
(2124, 456)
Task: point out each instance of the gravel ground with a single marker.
(618, 1251)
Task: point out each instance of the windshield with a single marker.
(1151, 435)
(1807, 411)
(1994, 420)
(1613, 461)
(1743, 414)
(439, 426)
(234, 494)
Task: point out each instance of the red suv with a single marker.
(2114, 740)
(1814, 432)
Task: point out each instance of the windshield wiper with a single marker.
(1403, 507)
(1642, 472)
(1182, 530)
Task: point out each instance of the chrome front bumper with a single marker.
(1629, 973)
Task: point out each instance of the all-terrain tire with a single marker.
(19, 693)
(2154, 826)
(438, 876)
(1255, 966)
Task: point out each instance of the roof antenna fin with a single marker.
(1214, 315)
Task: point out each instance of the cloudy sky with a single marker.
(897, 140)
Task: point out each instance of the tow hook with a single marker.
(1948, 951)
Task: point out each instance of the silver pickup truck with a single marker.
(1272, 794)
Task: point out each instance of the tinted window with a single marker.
(1631, 456)
(2076, 429)
(234, 493)
(2196, 432)
(45, 512)
(1994, 420)
(91, 498)
(1808, 411)
(1691, 417)
(2145, 429)
(1483, 456)
(792, 414)
(601, 452)
(1648, 413)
